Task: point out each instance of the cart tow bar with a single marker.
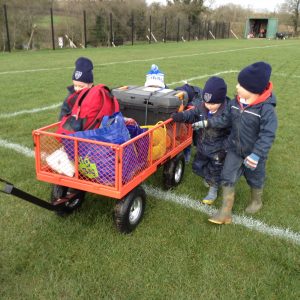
(8, 188)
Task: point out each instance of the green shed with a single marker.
(261, 28)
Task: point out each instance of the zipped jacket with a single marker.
(253, 127)
(210, 140)
(69, 102)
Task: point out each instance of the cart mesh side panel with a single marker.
(48, 146)
(107, 165)
(135, 158)
(177, 133)
(96, 163)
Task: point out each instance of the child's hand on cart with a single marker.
(199, 124)
(177, 117)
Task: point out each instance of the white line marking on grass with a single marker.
(36, 110)
(17, 147)
(29, 111)
(224, 72)
(286, 75)
(145, 60)
(247, 222)
(202, 76)
(188, 202)
(34, 70)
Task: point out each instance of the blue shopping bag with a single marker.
(112, 130)
(97, 162)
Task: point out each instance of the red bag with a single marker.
(90, 107)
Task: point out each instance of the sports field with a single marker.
(175, 253)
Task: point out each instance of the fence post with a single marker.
(189, 28)
(110, 30)
(228, 32)
(224, 29)
(199, 30)
(221, 30)
(132, 28)
(178, 28)
(165, 35)
(207, 30)
(150, 29)
(52, 29)
(84, 28)
(213, 28)
(6, 25)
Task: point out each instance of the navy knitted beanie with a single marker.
(188, 89)
(215, 90)
(255, 78)
(83, 70)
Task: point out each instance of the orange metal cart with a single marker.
(110, 170)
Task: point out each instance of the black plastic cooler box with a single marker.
(148, 105)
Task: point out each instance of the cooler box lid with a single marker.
(156, 97)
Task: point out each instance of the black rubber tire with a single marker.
(59, 191)
(173, 171)
(129, 211)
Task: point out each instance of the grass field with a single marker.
(175, 253)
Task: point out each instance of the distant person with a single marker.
(253, 120)
(262, 33)
(211, 143)
(82, 78)
(250, 35)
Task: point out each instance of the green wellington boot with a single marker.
(211, 196)
(255, 201)
(223, 216)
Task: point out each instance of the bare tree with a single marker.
(231, 13)
(292, 7)
(192, 8)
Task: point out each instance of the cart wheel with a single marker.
(59, 191)
(129, 211)
(173, 171)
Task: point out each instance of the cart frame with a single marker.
(68, 192)
(119, 190)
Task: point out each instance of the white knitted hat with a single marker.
(155, 77)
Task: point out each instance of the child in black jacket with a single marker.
(211, 143)
(194, 100)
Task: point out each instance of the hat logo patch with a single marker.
(207, 97)
(77, 74)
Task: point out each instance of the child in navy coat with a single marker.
(194, 100)
(253, 122)
(211, 143)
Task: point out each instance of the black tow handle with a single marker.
(8, 188)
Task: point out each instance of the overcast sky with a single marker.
(254, 4)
